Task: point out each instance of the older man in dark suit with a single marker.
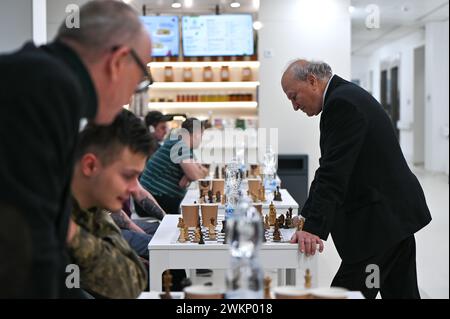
(363, 192)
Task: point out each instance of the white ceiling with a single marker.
(397, 17)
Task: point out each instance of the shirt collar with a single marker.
(326, 89)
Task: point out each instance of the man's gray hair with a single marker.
(302, 68)
(103, 25)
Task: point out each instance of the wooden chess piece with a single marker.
(272, 214)
(276, 233)
(262, 193)
(308, 279)
(281, 221)
(277, 195)
(201, 241)
(167, 283)
(180, 223)
(218, 197)
(182, 238)
(267, 282)
(266, 222)
(300, 225)
(212, 229)
(210, 197)
(197, 235)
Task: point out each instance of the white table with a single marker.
(180, 295)
(287, 202)
(166, 253)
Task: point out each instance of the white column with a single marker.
(40, 21)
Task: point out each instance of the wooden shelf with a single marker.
(203, 105)
(204, 85)
(201, 64)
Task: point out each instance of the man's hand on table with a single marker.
(307, 242)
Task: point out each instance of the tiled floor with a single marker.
(432, 245)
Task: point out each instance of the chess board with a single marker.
(285, 235)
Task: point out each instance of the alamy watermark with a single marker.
(73, 277)
(373, 279)
(373, 17)
(73, 16)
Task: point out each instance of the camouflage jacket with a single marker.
(108, 266)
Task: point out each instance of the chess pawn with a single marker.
(218, 197)
(262, 194)
(197, 235)
(308, 279)
(267, 282)
(276, 233)
(201, 241)
(182, 238)
(210, 197)
(212, 229)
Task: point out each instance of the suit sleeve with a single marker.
(343, 131)
(108, 265)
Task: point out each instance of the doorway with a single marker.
(419, 107)
(390, 92)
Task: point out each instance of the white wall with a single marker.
(401, 50)
(437, 103)
(15, 24)
(419, 106)
(318, 30)
(359, 71)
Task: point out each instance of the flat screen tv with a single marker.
(165, 34)
(217, 35)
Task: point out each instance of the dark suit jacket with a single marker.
(44, 93)
(363, 192)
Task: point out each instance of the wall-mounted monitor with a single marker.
(165, 34)
(218, 35)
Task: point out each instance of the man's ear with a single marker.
(312, 80)
(116, 62)
(89, 164)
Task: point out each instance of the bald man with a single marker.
(363, 192)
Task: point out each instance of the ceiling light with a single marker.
(176, 5)
(188, 3)
(235, 4)
(351, 9)
(257, 25)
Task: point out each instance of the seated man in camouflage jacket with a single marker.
(109, 160)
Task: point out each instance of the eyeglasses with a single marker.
(147, 79)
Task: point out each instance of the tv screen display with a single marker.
(218, 35)
(165, 34)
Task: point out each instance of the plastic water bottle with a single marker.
(244, 279)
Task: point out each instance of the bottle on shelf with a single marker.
(246, 74)
(168, 74)
(187, 75)
(208, 74)
(225, 73)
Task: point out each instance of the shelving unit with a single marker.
(223, 99)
